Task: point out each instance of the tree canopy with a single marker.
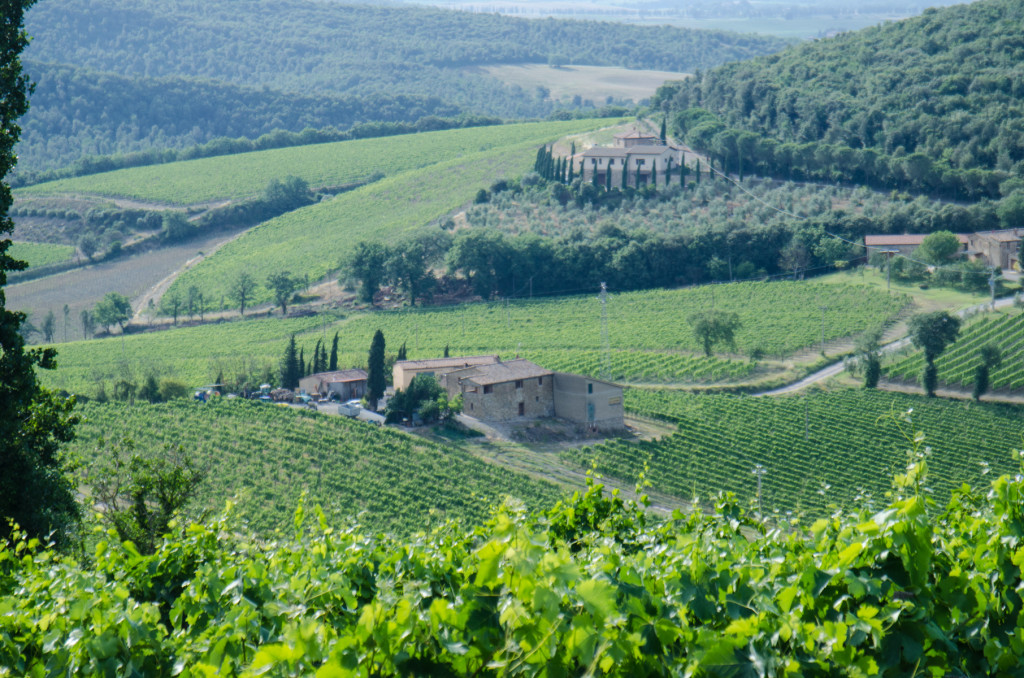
(35, 492)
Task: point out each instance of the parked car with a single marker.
(350, 409)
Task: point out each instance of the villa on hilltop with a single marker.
(640, 155)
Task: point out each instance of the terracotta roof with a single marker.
(907, 239)
(457, 361)
(499, 373)
(603, 152)
(1006, 235)
(646, 150)
(339, 377)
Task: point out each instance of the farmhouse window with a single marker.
(522, 409)
(488, 389)
(590, 388)
(540, 381)
(519, 383)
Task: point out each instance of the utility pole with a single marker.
(760, 472)
(606, 350)
(992, 285)
(823, 309)
(888, 268)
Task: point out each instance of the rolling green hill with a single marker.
(819, 450)
(122, 75)
(264, 457)
(948, 85)
(648, 332)
(78, 113)
(247, 174)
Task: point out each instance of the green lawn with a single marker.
(928, 299)
(41, 254)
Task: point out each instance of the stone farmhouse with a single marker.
(995, 248)
(404, 370)
(519, 389)
(344, 384)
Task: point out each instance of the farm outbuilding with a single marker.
(594, 403)
(343, 384)
(404, 370)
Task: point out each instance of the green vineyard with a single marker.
(819, 450)
(650, 339)
(958, 364)
(246, 174)
(264, 457)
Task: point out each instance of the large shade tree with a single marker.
(35, 491)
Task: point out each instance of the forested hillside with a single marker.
(911, 103)
(171, 74)
(77, 113)
(300, 42)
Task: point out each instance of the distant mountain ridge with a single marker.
(174, 73)
(286, 43)
(948, 84)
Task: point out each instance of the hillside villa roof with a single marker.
(499, 373)
(444, 363)
(902, 240)
(653, 149)
(340, 376)
(605, 152)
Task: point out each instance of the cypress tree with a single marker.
(664, 137)
(401, 352)
(654, 173)
(317, 367)
(290, 366)
(334, 354)
(572, 162)
(376, 380)
(302, 363)
(622, 177)
(446, 350)
(538, 164)
(696, 176)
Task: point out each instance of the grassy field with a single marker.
(588, 82)
(265, 456)
(930, 299)
(244, 175)
(807, 446)
(648, 334)
(41, 254)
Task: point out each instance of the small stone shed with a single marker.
(346, 384)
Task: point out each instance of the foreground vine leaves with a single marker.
(594, 586)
